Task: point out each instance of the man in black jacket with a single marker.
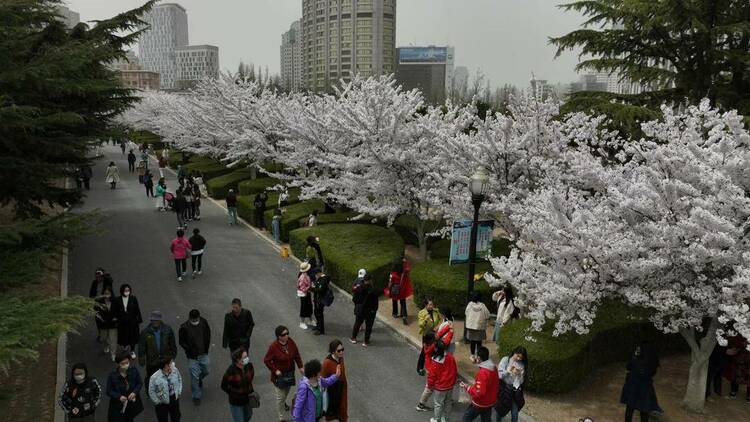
(197, 243)
(238, 327)
(260, 208)
(195, 339)
(131, 161)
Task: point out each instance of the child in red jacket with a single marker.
(180, 249)
(441, 379)
(484, 391)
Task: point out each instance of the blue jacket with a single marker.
(304, 404)
(158, 386)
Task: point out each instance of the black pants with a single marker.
(318, 310)
(112, 185)
(629, 415)
(196, 210)
(474, 346)
(420, 361)
(168, 412)
(368, 320)
(259, 221)
(131, 166)
(180, 266)
(149, 191)
(395, 303)
(196, 259)
(484, 413)
(87, 184)
(734, 388)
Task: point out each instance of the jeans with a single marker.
(180, 219)
(395, 303)
(426, 394)
(198, 371)
(502, 411)
(281, 395)
(276, 227)
(240, 413)
(485, 413)
(196, 259)
(180, 266)
(168, 412)
(232, 215)
(443, 405)
(368, 320)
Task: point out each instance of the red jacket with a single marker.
(443, 373)
(445, 330)
(180, 248)
(486, 385)
(278, 360)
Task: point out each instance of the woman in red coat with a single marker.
(399, 287)
(737, 371)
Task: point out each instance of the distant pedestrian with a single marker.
(86, 175)
(312, 219)
(164, 390)
(140, 170)
(280, 359)
(506, 309)
(187, 192)
(123, 145)
(161, 191)
(198, 246)
(196, 201)
(441, 379)
(359, 281)
(484, 391)
(321, 288)
(180, 248)
(128, 314)
(148, 183)
(399, 288)
(180, 204)
(304, 284)
(716, 364)
(276, 225)
(156, 344)
(80, 395)
(477, 316)
(237, 382)
(106, 322)
(260, 208)
(238, 327)
(638, 392)
(512, 371)
(195, 339)
(131, 161)
(231, 201)
(366, 300)
(102, 280)
(181, 174)
(338, 392)
(124, 391)
(311, 402)
(428, 319)
(112, 175)
(313, 253)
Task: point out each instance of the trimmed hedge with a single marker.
(349, 247)
(290, 220)
(218, 187)
(447, 285)
(344, 217)
(246, 205)
(251, 187)
(208, 168)
(175, 159)
(560, 364)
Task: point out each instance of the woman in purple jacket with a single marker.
(311, 402)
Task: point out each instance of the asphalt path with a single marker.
(133, 245)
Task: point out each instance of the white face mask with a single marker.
(126, 293)
(79, 378)
(246, 360)
(196, 322)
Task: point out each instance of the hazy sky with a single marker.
(506, 39)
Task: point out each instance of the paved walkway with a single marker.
(134, 247)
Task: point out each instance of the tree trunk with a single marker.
(700, 351)
(422, 239)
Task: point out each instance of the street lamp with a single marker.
(478, 186)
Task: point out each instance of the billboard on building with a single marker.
(423, 54)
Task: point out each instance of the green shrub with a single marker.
(405, 226)
(251, 187)
(246, 205)
(344, 217)
(208, 168)
(218, 187)
(560, 364)
(349, 247)
(447, 284)
(290, 220)
(175, 159)
(441, 249)
(147, 137)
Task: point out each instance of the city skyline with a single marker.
(251, 37)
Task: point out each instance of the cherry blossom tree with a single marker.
(666, 230)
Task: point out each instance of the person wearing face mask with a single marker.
(124, 391)
(81, 395)
(128, 314)
(106, 322)
(195, 339)
(156, 344)
(237, 382)
(164, 390)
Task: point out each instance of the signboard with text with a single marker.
(461, 241)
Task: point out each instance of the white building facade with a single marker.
(156, 47)
(69, 17)
(291, 57)
(196, 62)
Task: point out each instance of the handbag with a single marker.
(253, 400)
(286, 379)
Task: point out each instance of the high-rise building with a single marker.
(342, 38)
(291, 57)
(429, 69)
(156, 47)
(541, 89)
(69, 17)
(195, 62)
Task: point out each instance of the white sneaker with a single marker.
(179, 278)
(200, 272)
(303, 326)
(194, 273)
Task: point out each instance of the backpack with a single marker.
(321, 286)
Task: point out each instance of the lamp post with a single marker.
(480, 181)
